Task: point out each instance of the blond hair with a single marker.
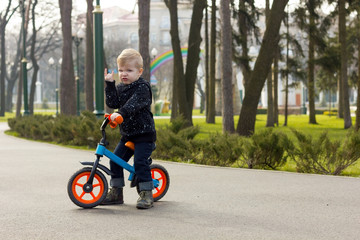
(130, 54)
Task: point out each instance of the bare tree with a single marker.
(357, 118)
(25, 25)
(33, 60)
(89, 58)
(270, 108)
(44, 39)
(246, 124)
(210, 101)
(184, 85)
(144, 18)
(178, 73)
(226, 47)
(4, 19)
(343, 69)
(67, 76)
(14, 73)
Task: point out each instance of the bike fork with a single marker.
(88, 185)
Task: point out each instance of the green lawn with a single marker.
(333, 125)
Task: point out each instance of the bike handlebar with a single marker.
(107, 120)
(113, 124)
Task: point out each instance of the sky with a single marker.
(129, 4)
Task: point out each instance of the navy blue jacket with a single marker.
(133, 102)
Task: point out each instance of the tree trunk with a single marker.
(246, 124)
(243, 29)
(276, 80)
(193, 57)
(357, 120)
(311, 64)
(178, 75)
(207, 79)
(184, 93)
(67, 76)
(20, 85)
(89, 59)
(287, 71)
(343, 58)
(340, 113)
(226, 47)
(14, 75)
(270, 102)
(2, 67)
(4, 19)
(210, 115)
(144, 18)
(33, 60)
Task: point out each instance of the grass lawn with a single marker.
(333, 125)
(7, 116)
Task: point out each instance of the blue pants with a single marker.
(141, 154)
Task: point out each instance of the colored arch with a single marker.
(165, 57)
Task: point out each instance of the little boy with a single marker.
(132, 97)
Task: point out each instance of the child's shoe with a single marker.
(145, 200)
(114, 196)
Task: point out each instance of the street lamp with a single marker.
(154, 52)
(51, 63)
(99, 60)
(154, 89)
(77, 38)
(24, 61)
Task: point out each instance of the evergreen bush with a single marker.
(219, 150)
(265, 149)
(323, 156)
(175, 141)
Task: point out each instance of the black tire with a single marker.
(77, 193)
(159, 173)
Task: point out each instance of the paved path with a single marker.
(202, 202)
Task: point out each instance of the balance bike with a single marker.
(88, 187)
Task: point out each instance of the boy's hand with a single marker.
(109, 77)
(116, 117)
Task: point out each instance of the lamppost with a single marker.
(154, 52)
(24, 61)
(77, 38)
(51, 63)
(99, 61)
(154, 89)
(304, 100)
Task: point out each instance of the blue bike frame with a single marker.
(102, 151)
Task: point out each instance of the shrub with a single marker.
(36, 127)
(172, 146)
(219, 150)
(265, 149)
(323, 156)
(174, 141)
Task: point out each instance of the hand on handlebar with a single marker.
(114, 119)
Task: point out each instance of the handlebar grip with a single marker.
(113, 124)
(119, 119)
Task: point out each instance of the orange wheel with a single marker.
(91, 198)
(162, 181)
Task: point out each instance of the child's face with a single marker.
(129, 73)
